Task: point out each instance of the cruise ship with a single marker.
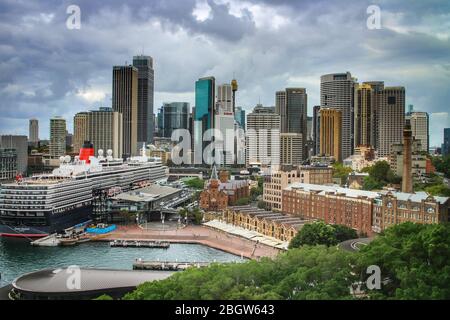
(47, 203)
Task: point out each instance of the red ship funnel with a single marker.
(86, 151)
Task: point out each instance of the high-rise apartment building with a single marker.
(263, 136)
(174, 115)
(57, 146)
(105, 131)
(337, 92)
(420, 127)
(33, 132)
(292, 106)
(145, 97)
(331, 133)
(204, 113)
(20, 145)
(79, 130)
(125, 101)
(390, 119)
(292, 149)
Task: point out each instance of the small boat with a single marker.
(68, 241)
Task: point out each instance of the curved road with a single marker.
(352, 244)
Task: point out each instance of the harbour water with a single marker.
(17, 256)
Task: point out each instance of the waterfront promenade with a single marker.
(198, 235)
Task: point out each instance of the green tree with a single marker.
(320, 233)
(307, 273)
(343, 233)
(442, 164)
(380, 175)
(261, 204)
(314, 234)
(414, 260)
(341, 172)
(371, 184)
(195, 183)
(242, 201)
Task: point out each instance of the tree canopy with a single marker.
(380, 175)
(195, 183)
(414, 260)
(307, 273)
(320, 233)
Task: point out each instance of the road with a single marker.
(354, 244)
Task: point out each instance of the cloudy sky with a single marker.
(47, 69)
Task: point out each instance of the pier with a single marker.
(166, 265)
(140, 244)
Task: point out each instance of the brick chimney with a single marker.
(407, 184)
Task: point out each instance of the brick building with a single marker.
(333, 205)
(396, 207)
(219, 193)
(280, 179)
(272, 224)
(365, 211)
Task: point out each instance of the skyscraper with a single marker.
(420, 127)
(224, 121)
(263, 136)
(446, 144)
(144, 64)
(174, 115)
(365, 115)
(292, 106)
(337, 92)
(390, 119)
(79, 130)
(57, 146)
(239, 116)
(280, 100)
(316, 129)
(224, 99)
(331, 133)
(33, 135)
(124, 100)
(105, 130)
(204, 113)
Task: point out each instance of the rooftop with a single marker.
(147, 194)
(322, 189)
(55, 280)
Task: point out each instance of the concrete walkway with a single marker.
(198, 235)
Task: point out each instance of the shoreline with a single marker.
(202, 235)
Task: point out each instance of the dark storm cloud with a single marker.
(46, 69)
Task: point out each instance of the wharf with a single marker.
(167, 265)
(140, 243)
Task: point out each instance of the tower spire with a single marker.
(214, 173)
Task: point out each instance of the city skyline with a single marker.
(199, 45)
